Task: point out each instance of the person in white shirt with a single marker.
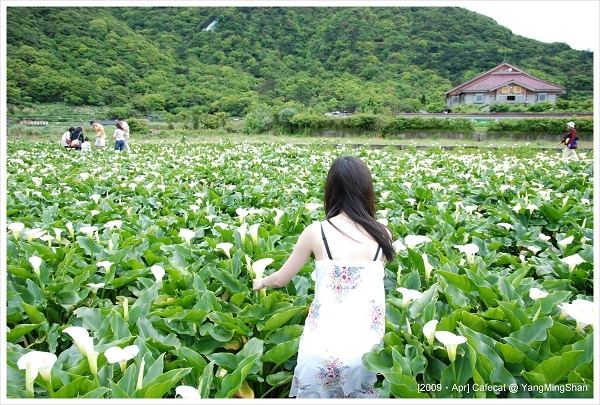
(86, 146)
(65, 141)
(125, 127)
(119, 138)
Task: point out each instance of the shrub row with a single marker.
(307, 124)
(584, 125)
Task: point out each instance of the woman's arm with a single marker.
(301, 253)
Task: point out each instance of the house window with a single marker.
(478, 98)
(517, 89)
(542, 97)
(505, 90)
(510, 98)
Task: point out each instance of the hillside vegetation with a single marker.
(139, 60)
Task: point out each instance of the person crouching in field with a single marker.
(100, 134)
(86, 146)
(76, 139)
(119, 138)
(570, 141)
(65, 141)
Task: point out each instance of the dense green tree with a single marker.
(324, 58)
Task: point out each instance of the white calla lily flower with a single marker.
(89, 230)
(258, 267)
(531, 208)
(428, 266)
(429, 330)
(187, 235)
(543, 237)
(16, 228)
(536, 293)
(583, 311)
(279, 214)
(505, 225)
(35, 362)
(566, 241)
(36, 262)
(187, 392)
(242, 213)
(225, 247)
(158, 272)
(408, 295)
(312, 206)
(450, 342)
(114, 224)
(398, 246)
(82, 339)
(95, 197)
(253, 231)
(413, 240)
(243, 230)
(95, 286)
(119, 355)
(105, 265)
(470, 249)
(572, 261)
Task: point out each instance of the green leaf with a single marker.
(403, 386)
(19, 331)
(554, 369)
(206, 380)
(510, 354)
(281, 352)
(79, 387)
(280, 378)
(158, 386)
(536, 332)
(142, 305)
(233, 381)
(192, 358)
(279, 318)
(33, 313)
(378, 362)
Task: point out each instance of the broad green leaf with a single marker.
(206, 380)
(554, 369)
(158, 386)
(403, 386)
(33, 314)
(79, 387)
(280, 378)
(279, 318)
(19, 331)
(535, 332)
(233, 381)
(281, 352)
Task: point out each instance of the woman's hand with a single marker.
(258, 284)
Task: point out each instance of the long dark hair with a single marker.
(349, 189)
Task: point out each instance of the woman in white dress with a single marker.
(347, 316)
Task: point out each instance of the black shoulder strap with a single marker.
(377, 253)
(325, 243)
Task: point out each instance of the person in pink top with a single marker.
(119, 137)
(346, 318)
(125, 127)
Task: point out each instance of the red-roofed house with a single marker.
(504, 83)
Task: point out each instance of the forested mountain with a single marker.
(156, 59)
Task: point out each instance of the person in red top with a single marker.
(570, 141)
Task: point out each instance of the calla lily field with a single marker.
(129, 275)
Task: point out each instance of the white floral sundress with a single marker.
(345, 321)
